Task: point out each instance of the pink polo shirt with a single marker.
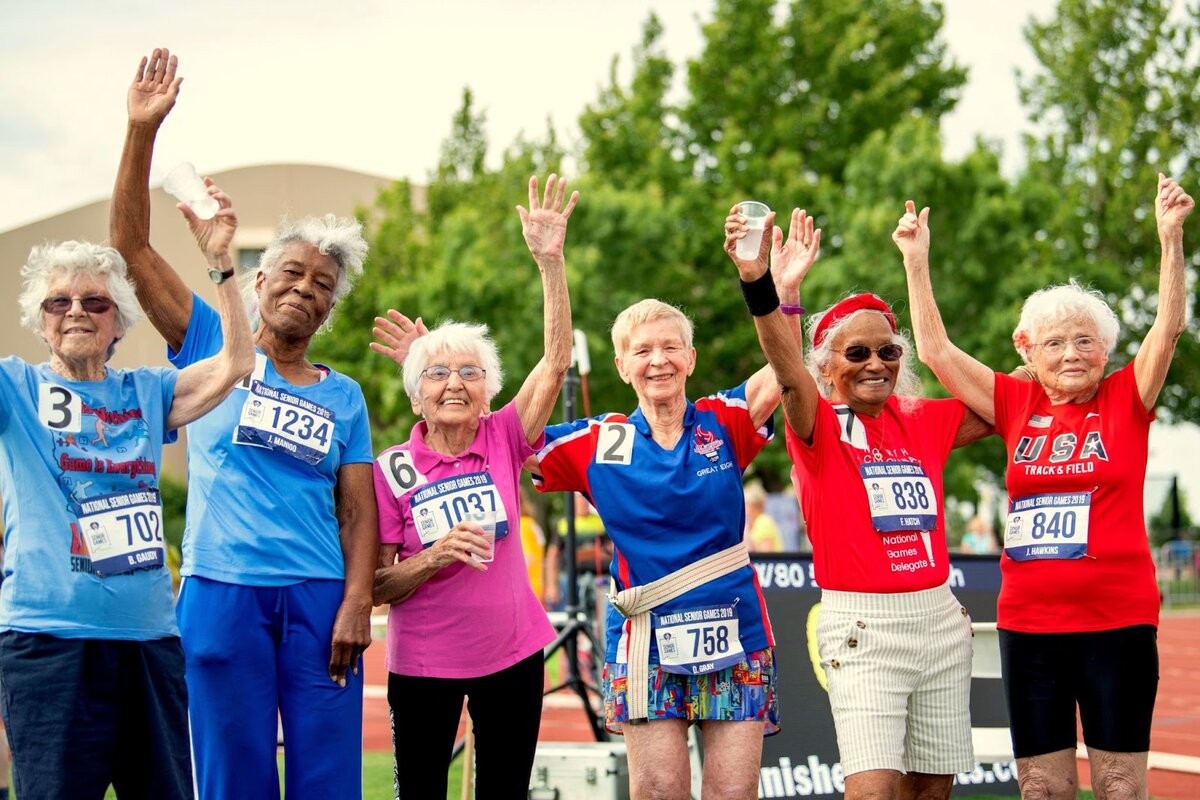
(461, 623)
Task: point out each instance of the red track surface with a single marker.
(1176, 715)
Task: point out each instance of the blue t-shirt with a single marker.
(261, 506)
(65, 447)
(665, 509)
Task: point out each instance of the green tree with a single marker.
(1115, 101)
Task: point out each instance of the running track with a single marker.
(1176, 728)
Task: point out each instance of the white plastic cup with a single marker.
(756, 220)
(487, 521)
(185, 185)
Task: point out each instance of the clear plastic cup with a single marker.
(487, 521)
(185, 185)
(756, 220)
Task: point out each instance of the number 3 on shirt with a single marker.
(59, 408)
(614, 445)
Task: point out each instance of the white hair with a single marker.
(454, 337)
(77, 260)
(1056, 304)
(340, 238)
(817, 357)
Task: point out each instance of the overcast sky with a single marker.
(371, 85)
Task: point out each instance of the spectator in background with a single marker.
(762, 533)
(533, 542)
(979, 538)
(593, 552)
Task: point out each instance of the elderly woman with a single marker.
(688, 638)
(464, 620)
(281, 542)
(90, 659)
(1077, 445)
(868, 453)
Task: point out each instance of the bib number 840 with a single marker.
(1056, 525)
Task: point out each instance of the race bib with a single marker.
(1053, 525)
(123, 531)
(900, 496)
(439, 506)
(286, 423)
(699, 640)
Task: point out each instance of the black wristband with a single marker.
(761, 297)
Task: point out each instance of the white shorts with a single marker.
(899, 675)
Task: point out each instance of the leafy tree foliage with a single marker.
(826, 105)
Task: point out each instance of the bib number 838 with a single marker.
(713, 639)
(909, 495)
(1056, 525)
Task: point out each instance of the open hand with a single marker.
(396, 335)
(791, 259)
(544, 224)
(155, 88)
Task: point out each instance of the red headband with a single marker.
(858, 302)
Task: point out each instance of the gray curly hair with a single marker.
(341, 238)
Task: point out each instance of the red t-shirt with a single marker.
(835, 476)
(1098, 447)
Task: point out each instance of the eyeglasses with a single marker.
(441, 373)
(92, 304)
(858, 353)
(1055, 347)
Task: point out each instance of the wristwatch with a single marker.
(218, 277)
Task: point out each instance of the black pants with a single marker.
(84, 713)
(506, 708)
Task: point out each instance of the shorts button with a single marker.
(964, 611)
(861, 624)
(834, 663)
(852, 643)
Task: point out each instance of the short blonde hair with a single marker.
(643, 311)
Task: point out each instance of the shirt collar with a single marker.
(639, 421)
(424, 455)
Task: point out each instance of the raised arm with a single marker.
(967, 379)
(162, 293)
(544, 226)
(779, 334)
(1171, 207)
(204, 384)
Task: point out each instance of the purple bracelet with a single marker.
(791, 310)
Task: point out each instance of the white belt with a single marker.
(635, 603)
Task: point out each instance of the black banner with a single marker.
(802, 760)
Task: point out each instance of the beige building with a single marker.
(261, 195)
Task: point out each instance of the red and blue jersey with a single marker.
(665, 509)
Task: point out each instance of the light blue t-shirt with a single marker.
(261, 506)
(69, 449)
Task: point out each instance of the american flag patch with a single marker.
(1038, 421)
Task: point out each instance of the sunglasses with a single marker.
(92, 304)
(858, 353)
